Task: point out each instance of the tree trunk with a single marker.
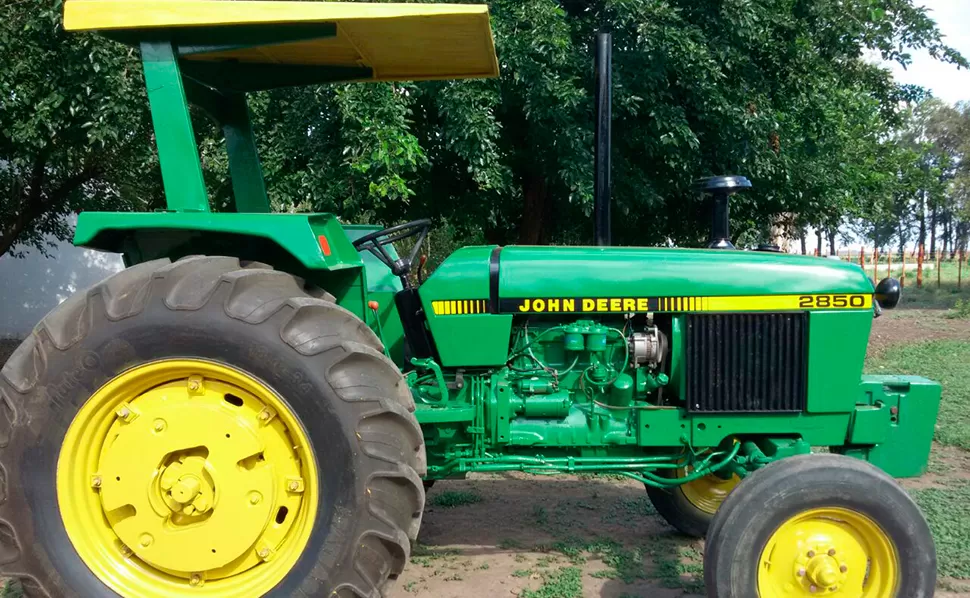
(818, 241)
(902, 239)
(536, 194)
(832, 242)
(34, 202)
(933, 230)
(802, 239)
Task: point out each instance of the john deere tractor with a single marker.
(256, 405)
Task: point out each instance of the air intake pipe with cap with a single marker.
(721, 188)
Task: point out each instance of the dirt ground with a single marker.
(516, 535)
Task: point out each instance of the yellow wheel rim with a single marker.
(707, 493)
(187, 478)
(828, 552)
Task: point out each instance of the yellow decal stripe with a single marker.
(750, 303)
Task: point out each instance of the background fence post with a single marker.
(902, 275)
(919, 267)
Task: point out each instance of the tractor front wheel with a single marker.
(691, 506)
(210, 429)
(819, 525)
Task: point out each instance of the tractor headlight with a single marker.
(888, 292)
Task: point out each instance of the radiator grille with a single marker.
(746, 362)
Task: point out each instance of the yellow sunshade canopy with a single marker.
(380, 42)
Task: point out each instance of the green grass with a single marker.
(945, 361)
(960, 311)
(561, 583)
(677, 565)
(948, 512)
(455, 498)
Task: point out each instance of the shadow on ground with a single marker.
(548, 537)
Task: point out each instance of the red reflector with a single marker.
(324, 244)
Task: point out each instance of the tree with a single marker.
(74, 127)
(776, 91)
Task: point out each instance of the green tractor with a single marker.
(256, 405)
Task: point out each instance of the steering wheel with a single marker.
(376, 242)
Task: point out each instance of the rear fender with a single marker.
(313, 242)
(311, 246)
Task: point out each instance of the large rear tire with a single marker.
(814, 525)
(201, 351)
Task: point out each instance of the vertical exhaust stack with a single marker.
(602, 141)
(721, 189)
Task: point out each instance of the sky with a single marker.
(945, 81)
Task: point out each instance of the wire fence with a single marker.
(917, 267)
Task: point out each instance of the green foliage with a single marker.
(74, 127)
(562, 583)
(455, 498)
(921, 181)
(947, 510)
(776, 91)
(961, 310)
(946, 362)
(12, 588)
(677, 565)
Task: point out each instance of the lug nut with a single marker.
(801, 572)
(125, 551)
(812, 589)
(263, 553)
(843, 568)
(124, 412)
(263, 416)
(195, 580)
(96, 481)
(811, 553)
(254, 498)
(831, 552)
(193, 385)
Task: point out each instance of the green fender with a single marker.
(301, 241)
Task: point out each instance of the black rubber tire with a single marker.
(768, 497)
(679, 512)
(326, 363)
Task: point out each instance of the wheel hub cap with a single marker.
(194, 479)
(828, 552)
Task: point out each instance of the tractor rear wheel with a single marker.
(691, 506)
(206, 428)
(814, 525)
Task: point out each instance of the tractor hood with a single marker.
(510, 279)
(642, 271)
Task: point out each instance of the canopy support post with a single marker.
(178, 155)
